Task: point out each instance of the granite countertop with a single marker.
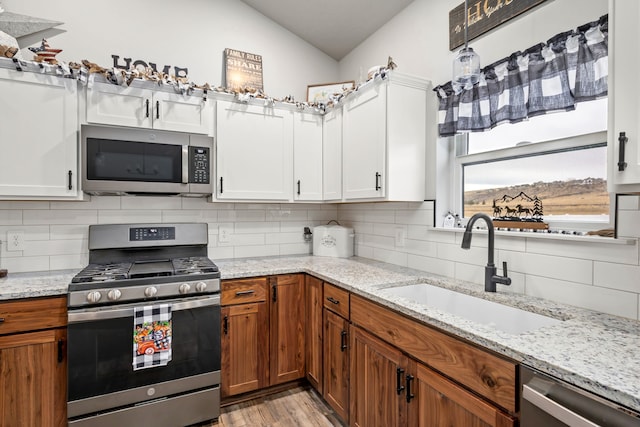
(593, 350)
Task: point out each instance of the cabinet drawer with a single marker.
(33, 314)
(336, 300)
(244, 291)
(485, 373)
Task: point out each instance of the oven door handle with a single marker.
(555, 409)
(114, 313)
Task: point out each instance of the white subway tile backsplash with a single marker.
(414, 217)
(278, 238)
(65, 232)
(257, 227)
(10, 217)
(420, 247)
(296, 249)
(76, 216)
(65, 262)
(390, 256)
(92, 202)
(25, 264)
(431, 265)
(629, 224)
(618, 253)
(287, 215)
(22, 205)
(151, 202)
(617, 276)
(555, 267)
(129, 216)
(380, 216)
(54, 247)
(255, 251)
(629, 202)
(601, 299)
(474, 255)
(189, 215)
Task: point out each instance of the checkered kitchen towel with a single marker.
(151, 336)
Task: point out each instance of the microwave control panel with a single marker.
(199, 165)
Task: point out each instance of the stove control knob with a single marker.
(114, 294)
(184, 288)
(151, 291)
(201, 286)
(94, 296)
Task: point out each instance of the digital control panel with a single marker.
(199, 168)
(138, 234)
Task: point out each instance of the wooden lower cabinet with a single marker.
(245, 348)
(33, 365)
(262, 332)
(313, 332)
(442, 403)
(287, 330)
(377, 382)
(336, 363)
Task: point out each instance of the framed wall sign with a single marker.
(320, 92)
(243, 70)
(484, 15)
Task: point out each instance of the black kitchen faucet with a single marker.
(490, 276)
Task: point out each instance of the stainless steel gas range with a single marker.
(143, 334)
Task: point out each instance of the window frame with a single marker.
(462, 159)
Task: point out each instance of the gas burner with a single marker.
(193, 265)
(103, 272)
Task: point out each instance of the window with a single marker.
(559, 158)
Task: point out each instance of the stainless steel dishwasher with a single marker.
(549, 402)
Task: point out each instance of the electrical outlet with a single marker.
(224, 234)
(400, 236)
(15, 240)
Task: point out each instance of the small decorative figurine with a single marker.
(519, 211)
(44, 53)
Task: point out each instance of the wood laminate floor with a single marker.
(297, 407)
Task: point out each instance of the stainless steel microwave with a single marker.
(127, 161)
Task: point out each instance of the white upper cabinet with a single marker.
(142, 107)
(624, 99)
(332, 155)
(254, 152)
(38, 136)
(384, 137)
(307, 156)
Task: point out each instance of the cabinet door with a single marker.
(624, 102)
(332, 155)
(287, 328)
(442, 403)
(377, 382)
(38, 136)
(114, 105)
(313, 331)
(33, 379)
(245, 348)
(336, 363)
(307, 156)
(181, 113)
(254, 152)
(364, 134)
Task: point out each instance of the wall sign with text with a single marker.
(484, 15)
(242, 70)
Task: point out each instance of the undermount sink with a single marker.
(502, 317)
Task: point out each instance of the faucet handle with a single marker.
(504, 268)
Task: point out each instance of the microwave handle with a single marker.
(185, 164)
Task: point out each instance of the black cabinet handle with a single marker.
(409, 394)
(343, 340)
(249, 292)
(147, 105)
(378, 181)
(274, 293)
(1, 319)
(60, 350)
(333, 300)
(298, 187)
(221, 189)
(622, 141)
(157, 109)
(225, 325)
(399, 386)
(70, 174)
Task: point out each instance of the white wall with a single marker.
(191, 34)
(418, 37)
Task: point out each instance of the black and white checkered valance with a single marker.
(571, 67)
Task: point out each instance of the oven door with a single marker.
(100, 355)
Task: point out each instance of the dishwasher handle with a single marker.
(555, 409)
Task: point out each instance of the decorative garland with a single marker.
(86, 70)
